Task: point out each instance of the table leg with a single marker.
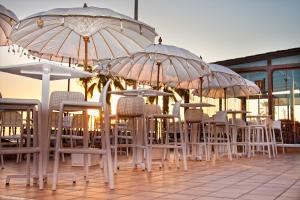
(44, 122)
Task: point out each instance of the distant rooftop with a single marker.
(263, 56)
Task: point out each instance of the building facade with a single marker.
(278, 75)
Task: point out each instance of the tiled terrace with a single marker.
(253, 179)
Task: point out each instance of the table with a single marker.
(257, 116)
(194, 126)
(234, 128)
(144, 92)
(10, 104)
(45, 71)
(196, 105)
(234, 112)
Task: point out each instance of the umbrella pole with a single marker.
(201, 89)
(225, 99)
(258, 106)
(157, 80)
(86, 40)
(69, 79)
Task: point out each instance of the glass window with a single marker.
(286, 85)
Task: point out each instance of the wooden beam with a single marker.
(264, 68)
(258, 57)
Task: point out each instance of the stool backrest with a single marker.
(221, 116)
(11, 119)
(103, 95)
(239, 122)
(150, 109)
(130, 107)
(176, 109)
(193, 115)
(277, 124)
(58, 96)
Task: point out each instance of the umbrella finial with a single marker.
(85, 5)
(159, 40)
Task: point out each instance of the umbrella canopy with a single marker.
(159, 64)
(246, 89)
(7, 20)
(81, 34)
(220, 77)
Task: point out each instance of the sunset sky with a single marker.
(214, 29)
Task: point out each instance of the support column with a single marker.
(220, 104)
(270, 88)
(136, 9)
(243, 107)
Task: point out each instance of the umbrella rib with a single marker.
(95, 47)
(183, 68)
(47, 43)
(196, 68)
(40, 34)
(142, 68)
(79, 44)
(7, 18)
(131, 39)
(112, 53)
(175, 70)
(63, 42)
(152, 71)
(3, 29)
(119, 42)
(121, 63)
(133, 65)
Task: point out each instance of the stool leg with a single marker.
(85, 145)
(56, 153)
(108, 150)
(116, 148)
(283, 151)
(183, 146)
(28, 145)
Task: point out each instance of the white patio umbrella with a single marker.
(242, 90)
(246, 89)
(82, 35)
(159, 64)
(220, 77)
(7, 20)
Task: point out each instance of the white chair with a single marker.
(105, 150)
(31, 108)
(261, 137)
(56, 98)
(165, 143)
(219, 136)
(13, 121)
(239, 136)
(195, 134)
(129, 109)
(277, 127)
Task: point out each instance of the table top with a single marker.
(237, 111)
(36, 71)
(195, 105)
(141, 92)
(257, 116)
(12, 101)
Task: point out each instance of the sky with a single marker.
(215, 29)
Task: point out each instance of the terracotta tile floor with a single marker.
(247, 179)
